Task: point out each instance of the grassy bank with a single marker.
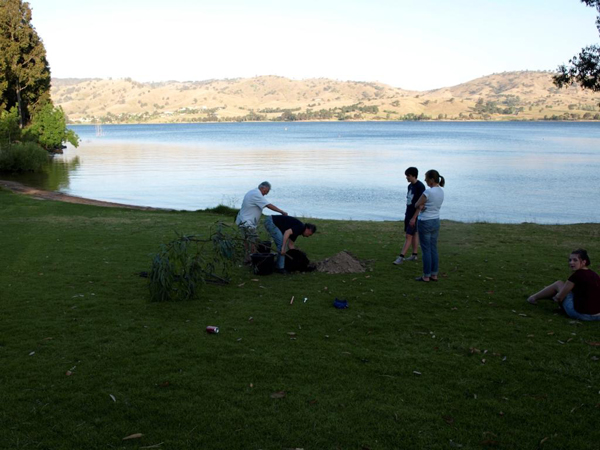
(463, 363)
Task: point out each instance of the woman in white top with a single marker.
(429, 224)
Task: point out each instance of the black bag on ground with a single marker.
(297, 261)
(263, 247)
(263, 263)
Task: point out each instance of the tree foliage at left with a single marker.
(25, 85)
(25, 72)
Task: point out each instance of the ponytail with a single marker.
(436, 177)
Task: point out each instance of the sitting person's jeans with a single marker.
(568, 306)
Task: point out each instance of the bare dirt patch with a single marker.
(57, 196)
(343, 262)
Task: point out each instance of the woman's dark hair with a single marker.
(436, 177)
(412, 171)
(583, 255)
(311, 227)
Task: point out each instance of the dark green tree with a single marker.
(583, 69)
(24, 70)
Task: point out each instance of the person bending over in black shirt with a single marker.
(284, 230)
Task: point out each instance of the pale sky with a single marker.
(410, 44)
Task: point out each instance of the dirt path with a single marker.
(57, 196)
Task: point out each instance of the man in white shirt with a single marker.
(251, 210)
(253, 204)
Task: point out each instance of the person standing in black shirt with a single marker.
(415, 190)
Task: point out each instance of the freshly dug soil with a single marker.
(343, 262)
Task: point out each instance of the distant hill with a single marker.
(504, 96)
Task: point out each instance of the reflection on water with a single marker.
(499, 172)
(55, 176)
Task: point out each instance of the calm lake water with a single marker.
(498, 172)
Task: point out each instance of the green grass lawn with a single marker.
(87, 359)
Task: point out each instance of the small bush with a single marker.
(23, 157)
(223, 210)
(49, 128)
(9, 126)
(183, 266)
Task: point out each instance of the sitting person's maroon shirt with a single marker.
(586, 291)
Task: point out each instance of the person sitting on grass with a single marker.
(284, 230)
(579, 296)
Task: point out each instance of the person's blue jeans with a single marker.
(428, 236)
(277, 236)
(568, 305)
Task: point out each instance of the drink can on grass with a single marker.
(212, 330)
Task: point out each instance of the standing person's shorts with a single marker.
(248, 233)
(407, 228)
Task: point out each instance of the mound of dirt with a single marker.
(343, 262)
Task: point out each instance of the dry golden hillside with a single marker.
(505, 96)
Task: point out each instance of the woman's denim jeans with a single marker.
(568, 305)
(278, 238)
(428, 236)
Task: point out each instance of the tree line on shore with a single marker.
(31, 125)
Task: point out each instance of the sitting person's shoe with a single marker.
(281, 271)
(412, 258)
(399, 260)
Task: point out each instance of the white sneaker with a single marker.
(399, 260)
(412, 258)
